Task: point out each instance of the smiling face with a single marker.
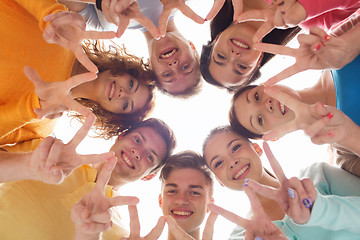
(260, 113)
(233, 58)
(185, 195)
(119, 94)
(138, 153)
(232, 159)
(174, 62)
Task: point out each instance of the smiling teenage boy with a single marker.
(186, 190)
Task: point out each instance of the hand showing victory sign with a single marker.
(91, 214)
(237, 4)
(55, 97)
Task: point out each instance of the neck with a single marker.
(254, 4)
(115, 181)
(323, 91)
(194, 234)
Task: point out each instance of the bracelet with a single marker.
(98, 4)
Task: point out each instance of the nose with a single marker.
(182, 199)
(234, 164)
(235, 53)
(135, 154)
(123, 92)
(269, 104)
(173, 63)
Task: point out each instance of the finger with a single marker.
(61, 19)
(318, 32)
(263, 190)
(283, 97)
(156, 232)
(251, 15)
(134, 221)
(175, 229)
(85, 60)
(229, 215)
(286, 73)
(150, 26)
(43, 150)
(187, 11)
(254, 200)
(113, 14)
(275, 165)
(123, 200)
(124, 22)
(215, 9)
(57, 175)
(163, 21)
(79, 214)
(33, 76)
(309, 188)
(54, 153)
(102, 217)
(98, 35)
(78, 107)
(209, 226)
(275, 49)
(296, 185)
(280, 131)
(81, 134)
(238, 8)
(316, 127)
(93, 228)
(54, 111)
(53, 16)
(264, 29)
(95, 158)
(308, 39)
(104, 175)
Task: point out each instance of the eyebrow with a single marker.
(196, 186)
(143, 137)
(222, 64)
(247, 99)
(227, 146)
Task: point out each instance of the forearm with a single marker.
(13, 166)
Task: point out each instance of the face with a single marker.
(185, 196)
(232, 159)
(120, 94)
(260, 113)
(233, 58)
(138, 153)
(174, 63)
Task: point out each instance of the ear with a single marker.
(211, 201)
(257, 149)
(192, 45)
(148, 177)
(160, 201)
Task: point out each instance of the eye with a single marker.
(171, 191)
(242, 66)
(256, 97)
(168, 74)
(126, 104)
(260, 120)
(186, 66)
(221, 56)
(195, 193)
(150, 157)
(137, 140)
(131, 84)
(218, 164)
(236, 147)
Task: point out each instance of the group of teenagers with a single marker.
(53, 61)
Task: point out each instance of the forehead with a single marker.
(220, 142)
(225, 74)
(186, 178)
(182, 82)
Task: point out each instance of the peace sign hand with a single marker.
(55, 97)
(295, 197)
(67, 29)
(180, 234)
(91, 214)
(259, 225)
(237, 4)
(317, 50)
(154, 234)
(53, 160)
(169, 6)
(280, 14)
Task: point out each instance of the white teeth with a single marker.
(167, 55)
(241, 172)
(112, 90)
(240, 44)
(181, 213)
(127, 161)
(282, 107)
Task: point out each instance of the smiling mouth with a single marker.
(239, 44)
(127, 161)
(283, 108)
(112, 90)
(242, 172)
(181, 213)
(168, 53)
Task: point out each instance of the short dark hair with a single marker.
(164, 131)
(234, 121)
(187, 159)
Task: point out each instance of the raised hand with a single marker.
(53, 160)
(237, 4)
(280, 14)
(259, 225)
(305, 114)
(180, 234)
(295, 197)
(169, 6)
(91, 214)
(317, 50)
(67, 29)
(154, 234)
(55, 97)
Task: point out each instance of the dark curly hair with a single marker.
(222, 21)
(118, 61)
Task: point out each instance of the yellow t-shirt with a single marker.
(35, 210)
(21, 44)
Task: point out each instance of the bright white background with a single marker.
(192, 120)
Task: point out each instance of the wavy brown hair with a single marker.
(118, 61)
